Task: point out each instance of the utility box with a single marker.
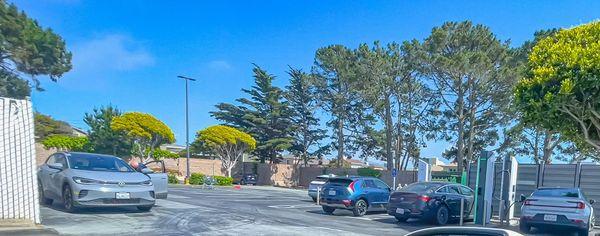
(484, 187)
(18, 181)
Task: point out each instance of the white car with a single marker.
(317, 183)
(557, 207)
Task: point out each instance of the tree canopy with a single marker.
(45, 126)
(66, 143)
(146, 131)
(561, 90)
(102, 137)
(228, 143)
(28, 48)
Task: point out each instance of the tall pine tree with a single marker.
(264, 115)
(306, 133)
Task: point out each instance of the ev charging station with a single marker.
(484, 187)
(423, 171)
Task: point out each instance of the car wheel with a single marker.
(68, 199)
(43, 199)
(441, 216)
(524, 227)
(401, 219)
(328, 210)
(144, 208)
(360, 208)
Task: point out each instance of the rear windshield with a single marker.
(322, 178)
(422, 187)
(340, 181)
(556, 192)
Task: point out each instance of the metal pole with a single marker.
(187, 129)
(462, 210)
(318, 195)
(187, 133)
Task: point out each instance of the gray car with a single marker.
(86, 179)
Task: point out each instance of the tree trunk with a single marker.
(340, 137)
(388, 134)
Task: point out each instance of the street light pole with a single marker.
(187, 130)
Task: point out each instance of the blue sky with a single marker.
(128, 53)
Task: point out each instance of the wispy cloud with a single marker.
(110, 52)
(219, 65)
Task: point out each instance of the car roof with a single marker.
(88, 154)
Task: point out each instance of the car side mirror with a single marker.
(147, 171)
(56, 166)
(522, 198)
(592, 201)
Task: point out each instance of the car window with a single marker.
(51, 159)
(369, 183)
(426, 187)
(466, 191)
(380, 184)
(443, 190)
(556, 192)
(59, 158)
(453, 189)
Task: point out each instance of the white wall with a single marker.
(18, 182)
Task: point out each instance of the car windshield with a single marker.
(556, 192)
(422, 187)
(98, 163)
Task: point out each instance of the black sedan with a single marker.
(245, 179)
(434, 201)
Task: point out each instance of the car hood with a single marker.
(108, 176)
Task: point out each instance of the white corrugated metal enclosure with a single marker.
(18, 182)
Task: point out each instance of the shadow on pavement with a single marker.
(98, 210)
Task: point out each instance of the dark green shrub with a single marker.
(223, 181)
(196, 179)
(368, 172)
(173, 179)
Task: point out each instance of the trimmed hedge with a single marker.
(173, 179)
(197, 179)
(368, 172)
(223, 181)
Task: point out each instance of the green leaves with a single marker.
(28, 48)
(66, 143)
(221, 135)
(561, 89)
(145, 130)
(104, 139)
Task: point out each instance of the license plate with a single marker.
(399, 210)
(332, 192)
(122, 196)
(549, 217)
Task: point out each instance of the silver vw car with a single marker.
(86, 179)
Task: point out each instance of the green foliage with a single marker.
(173, 179)
(305, 129)
(66, 143)
(45, 126)
(264, 116)
(472, 75)
(343, 164)
(368, 172)
(229, 144)
(145, 130)
(12, 86)
(160, 154)
(197, 179)
(104, 139)
(29, 48)
(562, 85)
(223, 181)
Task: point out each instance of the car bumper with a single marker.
(337, 204)
(561, 221)
(102, 195)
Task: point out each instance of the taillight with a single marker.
(580, 205)
(529, 202)
(351, 186)
(424, 198)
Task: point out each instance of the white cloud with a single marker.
(219, 65)
(110, 52)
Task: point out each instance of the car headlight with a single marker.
(147, 183)
(81, 180)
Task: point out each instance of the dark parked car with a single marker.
(244, 179)
(435, 201)
(358, 194)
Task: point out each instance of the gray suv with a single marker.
(85, 179)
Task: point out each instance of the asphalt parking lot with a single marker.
(252, 210)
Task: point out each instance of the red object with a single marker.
(237, 187)
(424, 198)
(580, 205)
(351, 186)
(529, 202)
(347, 202)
